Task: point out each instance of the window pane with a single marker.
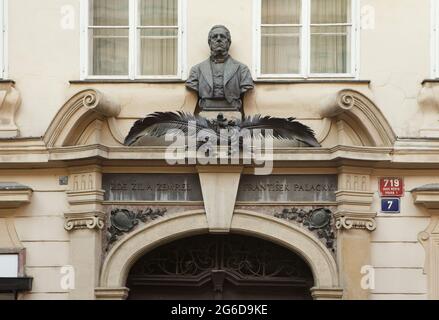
(281, 11)
(159, 48)
(110, 51)
(330, 49)
(330, 11)
(109, 13)
(158, 12)
(8, 265)
(280, 52)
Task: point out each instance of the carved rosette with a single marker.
(319, 221)
(124, 221)
(349, 223)
(90, 222)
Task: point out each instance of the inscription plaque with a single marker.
(287, 188)
(151, 187)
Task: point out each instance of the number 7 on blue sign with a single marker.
(391, 205)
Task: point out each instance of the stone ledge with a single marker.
(327, 293)
(84, 220)
(428, 195)
(85, 197)
(111, 293)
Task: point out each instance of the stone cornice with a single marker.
(13, 195)
(427, 195)
(327, 293)
(33, 151)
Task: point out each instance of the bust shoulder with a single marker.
(201, 64)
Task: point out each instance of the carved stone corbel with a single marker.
(354, 200)
(10, 101)
(76, 221)
(355, 222)
(96, 101)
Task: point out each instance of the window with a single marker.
(435, 38)
(132, 39)
(306, 38)
(8, 265)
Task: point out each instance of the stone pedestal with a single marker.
(229, 115)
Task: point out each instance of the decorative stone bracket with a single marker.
(10, 101)
(428, 99)
(428, 196)
(356, 220)
(81, 119)
(75, 221)
(319, 221)
(85, 199)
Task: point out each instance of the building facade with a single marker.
(82, 216)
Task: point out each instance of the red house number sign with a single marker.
(391, 187)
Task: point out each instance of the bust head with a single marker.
(219, 40)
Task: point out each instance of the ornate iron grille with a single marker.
(243, 258)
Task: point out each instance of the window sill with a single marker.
(112, 81)
(314, 81)
(430, 81)
(7, 81)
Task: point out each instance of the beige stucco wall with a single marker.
(394, 55)
(397, 255)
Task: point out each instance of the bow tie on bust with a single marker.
(219, 59)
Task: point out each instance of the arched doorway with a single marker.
(220, 267)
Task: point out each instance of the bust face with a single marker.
(219, 42)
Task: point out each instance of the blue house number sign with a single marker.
(391, 205)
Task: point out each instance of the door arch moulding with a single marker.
(125, 253)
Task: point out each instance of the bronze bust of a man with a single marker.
(220, 81)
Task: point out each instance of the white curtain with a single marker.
(109, 46)
(280, 36)
(158, 32)
(331, 42)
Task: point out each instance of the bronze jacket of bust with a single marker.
(237, 81)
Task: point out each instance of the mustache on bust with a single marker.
(219, 46)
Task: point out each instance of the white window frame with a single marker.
(133, 45)
(434, 35)
(305, 45)
(3, 39)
